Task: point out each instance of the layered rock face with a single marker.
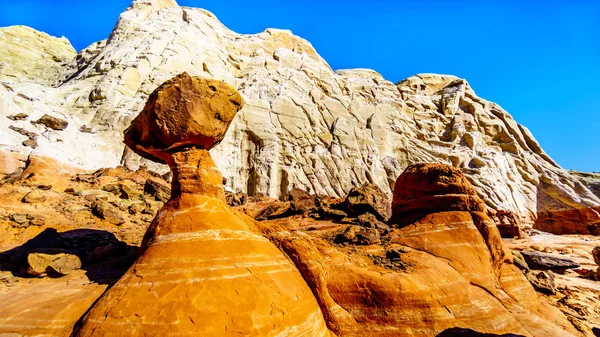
(303, 125)
(33, 55)
(204, 269)
(445, 269)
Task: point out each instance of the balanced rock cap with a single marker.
(184, 111)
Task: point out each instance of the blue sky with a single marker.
(540, 60)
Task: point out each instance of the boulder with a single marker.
(53, 123)
(543, 261)
(370, 221)
(52, 261)
(596, 255)
(34, 197)
(236, 199)
(184, 111)
(108, 212)
(542, 281)
(368, 198)
(357, 235)
(301, 201)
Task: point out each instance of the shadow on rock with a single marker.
(54, 254)
(460, 332)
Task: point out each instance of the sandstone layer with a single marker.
(304, 125)
(204, 269)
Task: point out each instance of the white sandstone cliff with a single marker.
(304, 125)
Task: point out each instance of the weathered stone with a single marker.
(53, 123)
(51, 261)
(107, 212)
(18, 117)
(519, 261)
(542, 281)
(205, 108)
(32, 55)
(358, 235)
(596, 255)
(235, 199)
(300, 200)
(34, 197)
(159, 190)
(542, 261)
(369, 220)
(368, 198)
(431, 188)
(19, 218)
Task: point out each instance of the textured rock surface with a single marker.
(181, 112)
(52, 261)
(423, 278)
(543, 261)
(425, 188)
(32, 55)
(204, 269)
(304, 125)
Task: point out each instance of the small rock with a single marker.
(596, 255)
(33, 197)
(300, 200)
(52, 122)
(159, 190)
(136, 207)
(542, 281)
(32, 143)
(359, 236)
(148, 210)
(123, 191)
(370, 221)
(519, 261)
(235, 199)
(368, 198)
(107, 212)
(45, 187)
(18, 117)
(86, 129)
(542, 261)
(327, 213)
(51, 261)
(19, 218)
(274, 210)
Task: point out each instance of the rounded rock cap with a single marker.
(424, 188)
(184, 111)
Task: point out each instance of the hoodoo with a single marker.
(204, 269)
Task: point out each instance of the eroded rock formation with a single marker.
(204, 269)
(446, 267)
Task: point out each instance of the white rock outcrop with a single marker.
(304, 125)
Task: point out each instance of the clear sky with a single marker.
(540, 60)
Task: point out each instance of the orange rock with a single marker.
(184, 111)
(457, 272)
(204, 269)
(429, 188)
